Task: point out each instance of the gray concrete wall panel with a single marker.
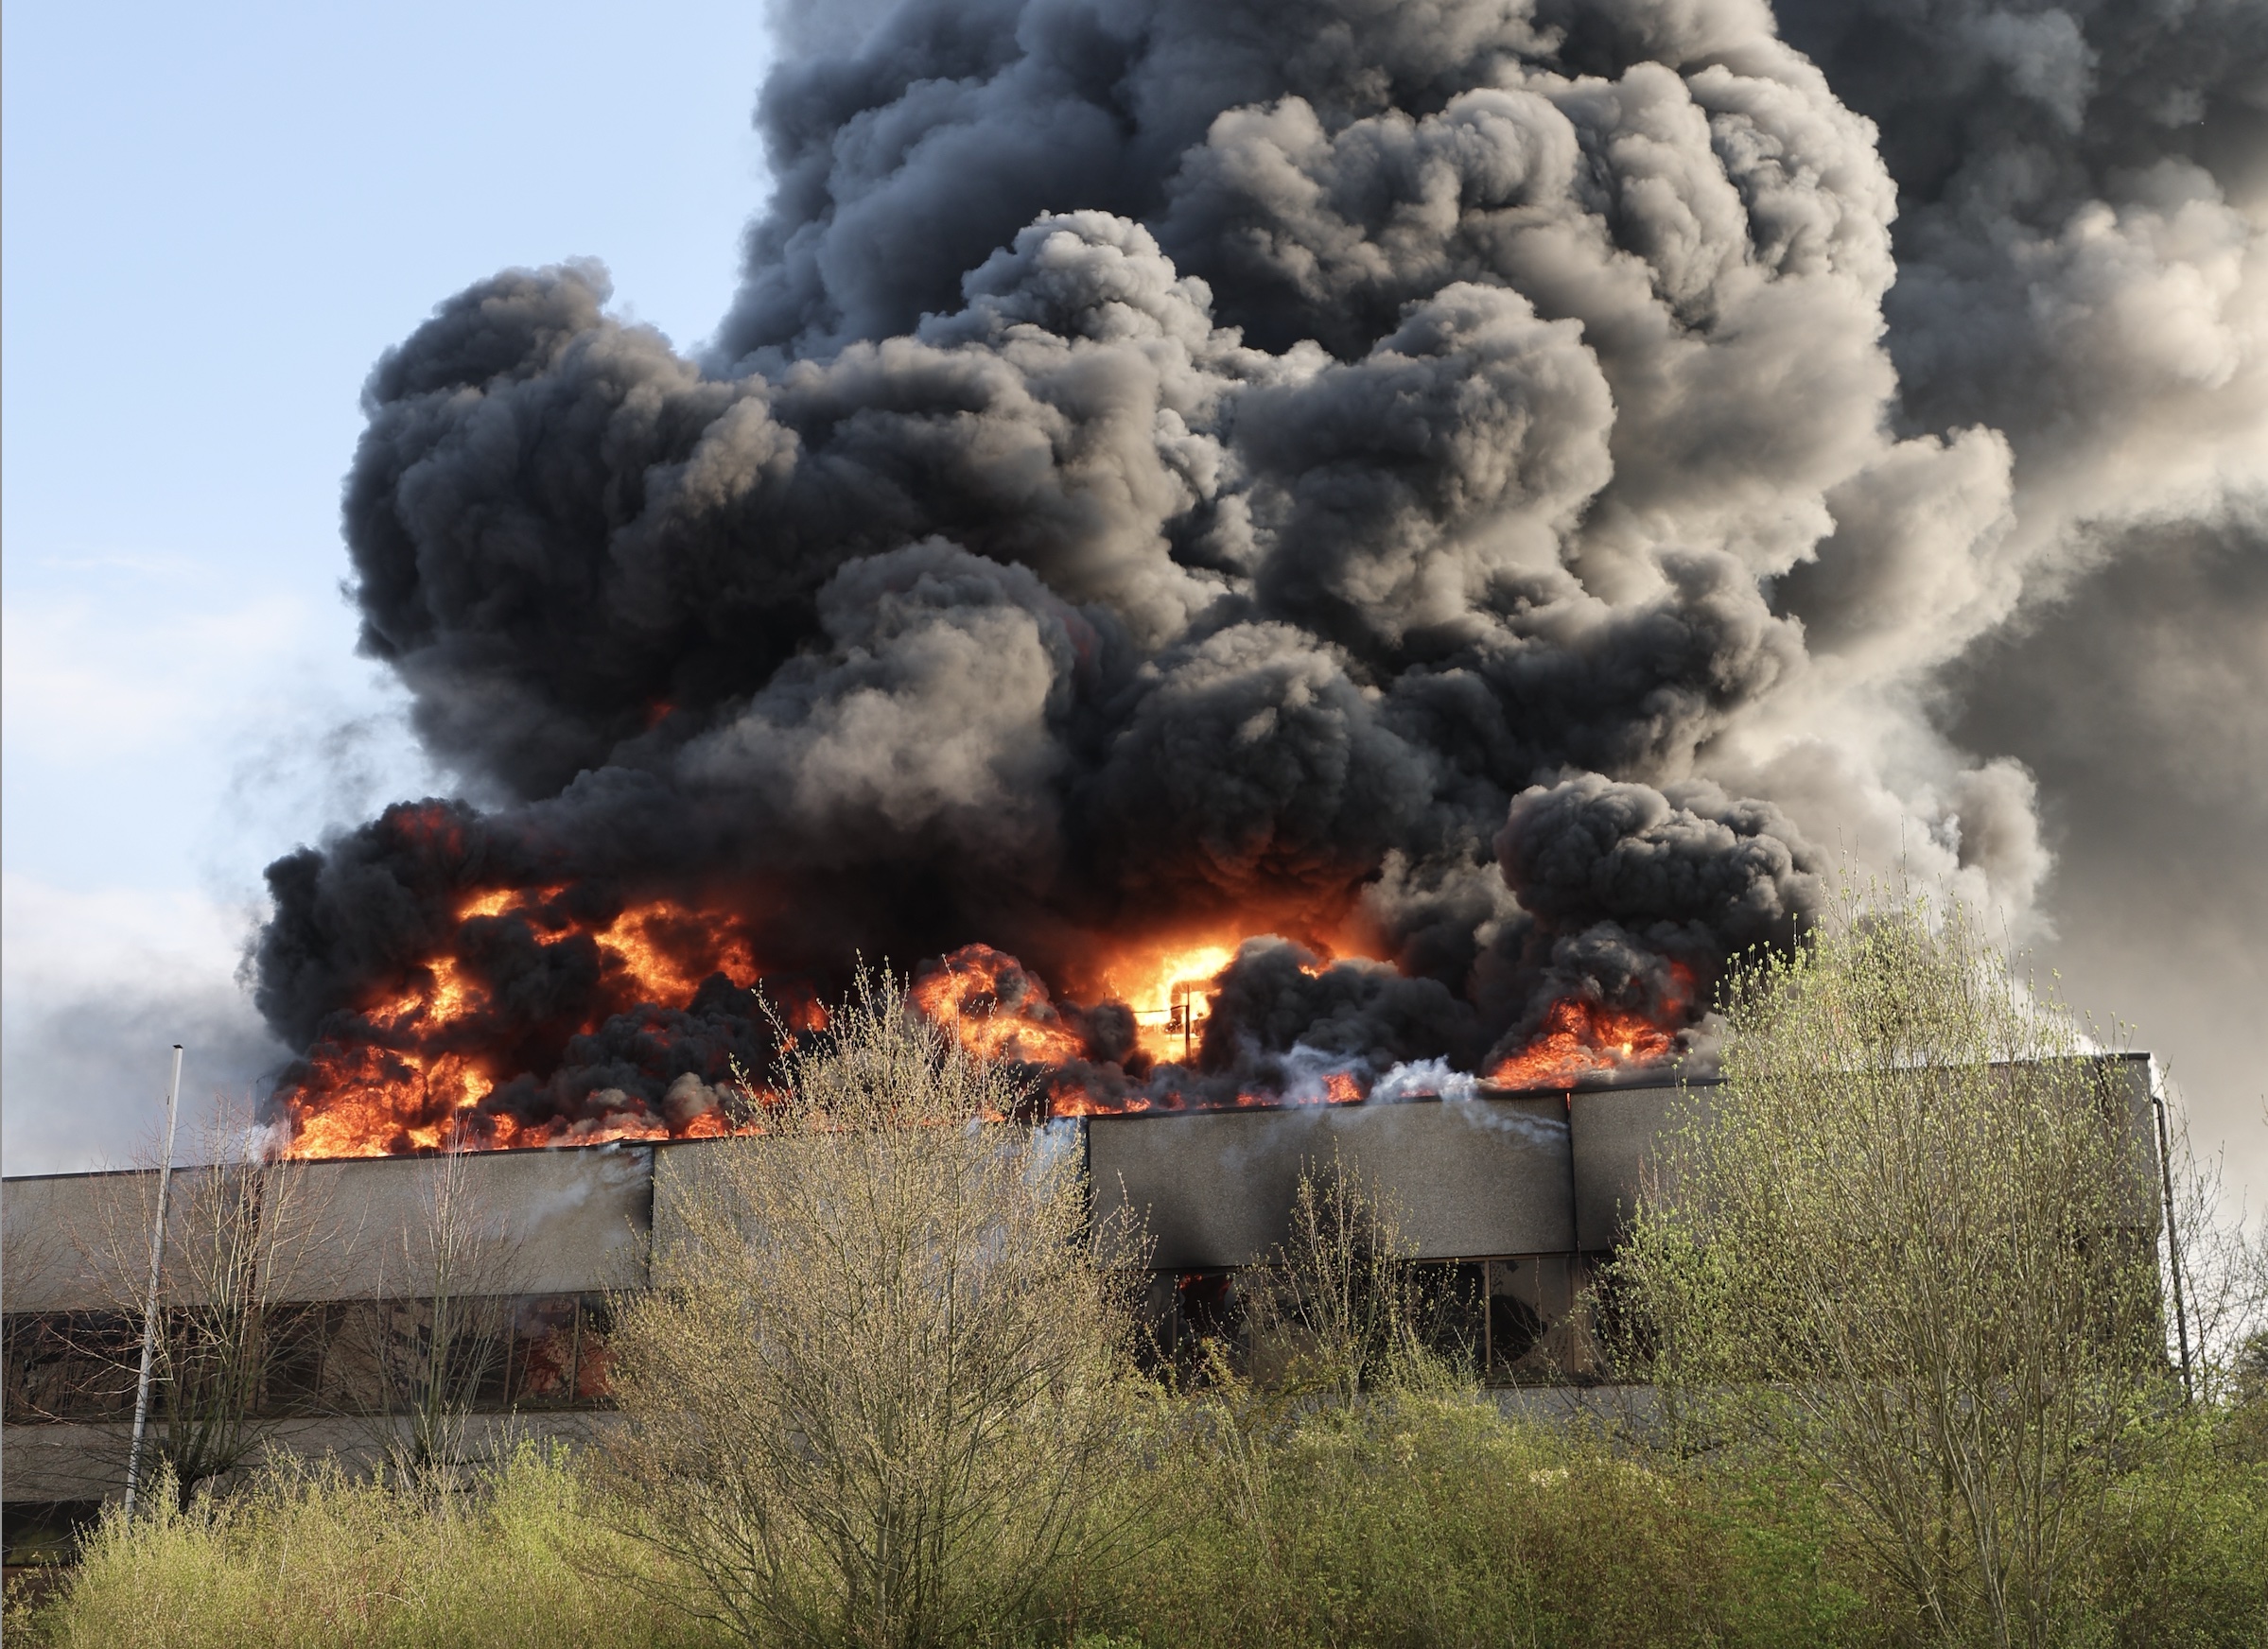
(532, 1221)
(1471, 1178)
(1616, 1138)
(1620, 1138)
(689, 1171)
(82, 1242)
(2145, 1198)
(75, 1242)
(539, 1222)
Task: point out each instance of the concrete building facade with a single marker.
(1515, 1197)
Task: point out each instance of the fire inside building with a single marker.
(1510, 1198)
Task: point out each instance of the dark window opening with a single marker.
(494, 1353)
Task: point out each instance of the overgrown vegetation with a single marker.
(1339, 1308)
(1912, 1245)
(879, 1388)
(426, 1365)
(312, 1560)
(890, 1392)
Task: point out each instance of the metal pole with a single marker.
(149, 1316)
(2165, 1169)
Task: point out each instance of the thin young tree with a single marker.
(1913, 1236)
(437, 1340)
(240, 1223)
(1337, 1306)
(1336, 1311)
(881, 1384)
(2216, 1264)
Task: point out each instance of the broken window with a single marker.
(70, 1365)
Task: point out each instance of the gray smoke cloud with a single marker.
(2083, 196)
(1514, 477)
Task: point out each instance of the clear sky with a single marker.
(216, 217)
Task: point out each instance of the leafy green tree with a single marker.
(880, 1386)
(1913, 1237)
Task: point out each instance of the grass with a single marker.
(1409, 1522)
(310, 1558)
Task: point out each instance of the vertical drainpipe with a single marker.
(149, 1316)
(1573, 1268)
(2165, 1170)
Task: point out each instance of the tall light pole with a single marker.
(149, 1316)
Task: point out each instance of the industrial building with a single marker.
(1518, 1195)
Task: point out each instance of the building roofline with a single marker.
(1626, 1083)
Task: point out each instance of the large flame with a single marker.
(996, 1008)
(411, 1075)
(1580, 1039)
(414, 1069)
(1169, 987)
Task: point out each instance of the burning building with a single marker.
(506, 1260)
(1297, 585)
(1299, 575)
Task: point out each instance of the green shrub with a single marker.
(879, 1384)
(1912, 1241)
(1425, 1521)
(2183, 1557)
(310, 1559)
(1434, 1521)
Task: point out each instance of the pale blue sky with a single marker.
(214, 219)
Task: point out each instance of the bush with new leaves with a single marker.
(1912, 1237)
(879, 1387)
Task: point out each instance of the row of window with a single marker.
(488, 1353)
(1512, 1320)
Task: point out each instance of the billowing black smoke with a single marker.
(1332, 467)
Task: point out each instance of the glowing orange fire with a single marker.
(999, 1010)
(411, 1087)
(1581, 1039)
(1170, 988)
(996, 1008)
(414, 1076)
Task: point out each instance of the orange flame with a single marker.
(996, 1008)
(1170, 988)
(999, 1010)
(413, 1086)
(1581, 1039)
(414, 1076)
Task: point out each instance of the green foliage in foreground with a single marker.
(1432, 1520)
(1416, 1520)
(307, 1559)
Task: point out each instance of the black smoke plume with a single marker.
(1427, 471)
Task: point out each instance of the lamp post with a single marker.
(149, 1316)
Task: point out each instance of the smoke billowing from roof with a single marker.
(1455, 481)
